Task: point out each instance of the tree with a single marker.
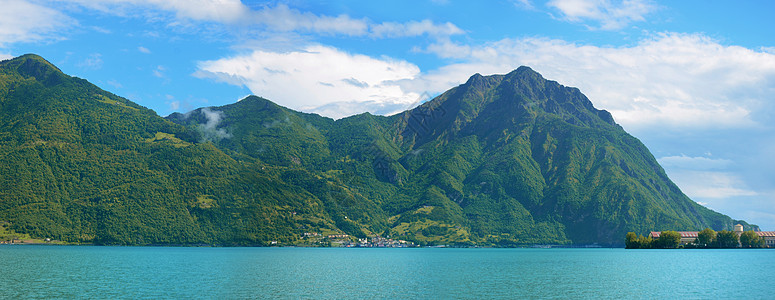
(750, 239)
(645, 242)
(727, 239)
(706, 238)
(631, 241)
(669, 239)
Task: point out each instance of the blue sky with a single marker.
(694, 80)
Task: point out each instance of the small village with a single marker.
(28, 241)
(344, 240)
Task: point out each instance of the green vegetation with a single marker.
(706, 239)
(749, 239)
(667, 240)
(76, 166)
(709, 238)
(7, 234)
(633, 241)
(504, 160)
(726, 239)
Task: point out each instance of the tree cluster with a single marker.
(750, 239)
(667, 240)
(706, 239)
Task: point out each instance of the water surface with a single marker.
(171, 272)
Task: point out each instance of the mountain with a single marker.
(530, 159)
(504, 160)
(80, 164)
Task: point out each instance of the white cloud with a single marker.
(610, 14)
(24, 21)
(224, 11)
(143, 50)
(319, 78)
(523, 4)
(101, 30)
(764, 219)
(210, 130)
(283, 18)
(704, 177)
(350, 108)
(159, 72)
(174, 105)
(414, 28)
(93, 62)
(716, 184)
(115, 83)
(280, 17)
(710, 184)
(677, 80)
(695, 163)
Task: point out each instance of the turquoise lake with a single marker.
(300, 273)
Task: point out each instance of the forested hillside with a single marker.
(83, 165)
(504, 160)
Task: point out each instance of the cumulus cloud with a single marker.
(318, 77)
(609, 14)
(665, 80)
(280, 17)
(680, 80)
(24, 21)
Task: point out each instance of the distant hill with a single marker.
(503, 160)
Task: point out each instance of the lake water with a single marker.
(297, 273)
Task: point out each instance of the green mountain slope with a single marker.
(509, 159)
(533, 161)
(504, 160)
(80, 164)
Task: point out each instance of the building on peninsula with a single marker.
(690, 236)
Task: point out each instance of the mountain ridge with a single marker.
(503, 160)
